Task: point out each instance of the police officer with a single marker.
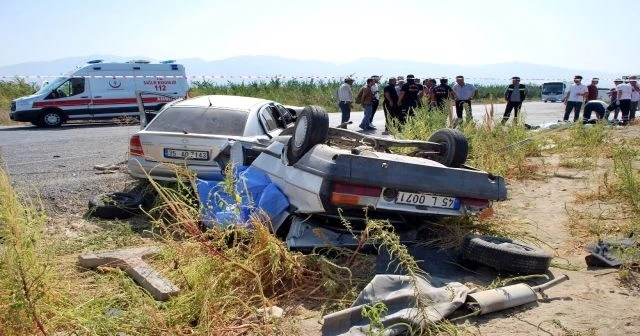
(515, 94)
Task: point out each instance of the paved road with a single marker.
(59, 162)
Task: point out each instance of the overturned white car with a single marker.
(325, 173)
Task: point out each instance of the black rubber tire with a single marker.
(312, 127)
(455, 147)
(117, 205)
(505, 255)
(51, 118)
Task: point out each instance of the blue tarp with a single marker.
(255, 193)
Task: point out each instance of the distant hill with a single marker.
(361, 68)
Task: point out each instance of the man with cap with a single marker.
(514, 95)
(376, 96)
(635, 97)
(574, 98)
(409, 97)
(593, 89)
(345, 98)
(442, 93)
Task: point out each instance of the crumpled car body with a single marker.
(327, 174)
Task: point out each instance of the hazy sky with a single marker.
(580, 34)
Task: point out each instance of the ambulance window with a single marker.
(71, 87)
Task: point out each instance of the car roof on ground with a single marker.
(222, 101)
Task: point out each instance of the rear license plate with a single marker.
(428, 200)
(186, 154)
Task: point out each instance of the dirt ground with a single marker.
(592, 302)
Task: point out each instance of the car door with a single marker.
(113, 96)
(72, 96)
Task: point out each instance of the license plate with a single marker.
(186, 154)
(428, 200)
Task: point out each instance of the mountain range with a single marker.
(280, 66)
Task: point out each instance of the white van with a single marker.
(100, 90)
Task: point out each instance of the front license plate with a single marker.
(186, 154)
(428, 200)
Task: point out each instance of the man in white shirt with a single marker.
(376, 96)
(345, 99)
(574, 98)
(635, 96)
(624, 100)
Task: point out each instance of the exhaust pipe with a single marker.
(507, 297)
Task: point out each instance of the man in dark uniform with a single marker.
(390, 104)
(515, 94)
(409, 97)
(442, 93)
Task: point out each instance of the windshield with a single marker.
(201, 120)
(52, 85)
(552, 88)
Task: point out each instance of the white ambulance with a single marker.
(101, 90)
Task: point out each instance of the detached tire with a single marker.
(312, 127)
(118, 205)
(505, 254)
(454, 147)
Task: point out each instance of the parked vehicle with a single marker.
(101, 90)
(553, 91)
(325, 173)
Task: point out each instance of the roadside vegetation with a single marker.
(10, 90)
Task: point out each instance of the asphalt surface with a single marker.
(59, 163)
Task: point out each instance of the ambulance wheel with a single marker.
(51, 119)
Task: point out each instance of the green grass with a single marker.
(10, 90)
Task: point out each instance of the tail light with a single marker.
(350, 194)
(475, 202)
(135, 146)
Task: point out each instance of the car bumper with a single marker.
(26, 115)
(140, 167)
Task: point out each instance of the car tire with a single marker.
(311, 128)
(505, 255)
(117, 205)
(51, 119)
(455, 147)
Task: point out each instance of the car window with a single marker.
(203, 120)
(268, 116)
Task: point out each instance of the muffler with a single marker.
(494, 300)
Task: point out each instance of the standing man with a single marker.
(367, 105)
(390, 104)
(345, 98)
(375, 89)
(574, 98)
(624, 100)
(463, 94)
(409, 97)
(515, 94)
(442, 93)
(613, 97)
(399, 83)
(635, 97)
(593, 90)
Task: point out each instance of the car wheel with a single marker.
(545, 101)
(454, 147)
(506, 255)
(51, 119)
(312, 126)
(117, 205)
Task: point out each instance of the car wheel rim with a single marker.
(51, 119)
(301, 131)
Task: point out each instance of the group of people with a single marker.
(402, 97)
(624, 97)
